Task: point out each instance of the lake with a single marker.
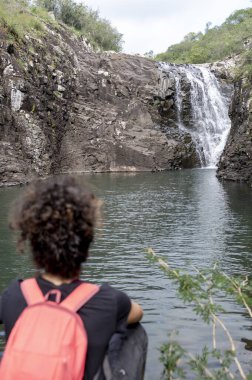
(189, 218)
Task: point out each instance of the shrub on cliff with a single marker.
(215, 43)
(16, 19)
(99, 31)
(244, 70)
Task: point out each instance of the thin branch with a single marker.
(214, 334)
(231, 341)
(214, 317)
(205, 369)
(239, 292)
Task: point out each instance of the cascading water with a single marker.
(202, 110)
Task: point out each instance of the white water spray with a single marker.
(209, 120)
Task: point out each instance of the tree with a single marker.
(149, 54)
(50, 5)
(207, 27)
(215, 44)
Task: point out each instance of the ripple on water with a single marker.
(188, 218)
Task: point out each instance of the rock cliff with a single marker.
(65, 108)
(236, 160)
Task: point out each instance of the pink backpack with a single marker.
(48, 341)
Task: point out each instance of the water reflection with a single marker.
(188, 217)
(238, 257)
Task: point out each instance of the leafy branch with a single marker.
(199, 290)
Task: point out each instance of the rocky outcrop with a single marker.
(236, 160)
(117, 124)
(36, 85)
(64, 108)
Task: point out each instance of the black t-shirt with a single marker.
(103, 315)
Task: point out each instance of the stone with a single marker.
(16, 99)
(90, 111)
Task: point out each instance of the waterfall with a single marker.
(201, 109)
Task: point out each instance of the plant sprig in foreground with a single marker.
(199, 290)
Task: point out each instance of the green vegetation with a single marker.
(198, 290)
(17, 20)
(245, 70)
(18, 17)
(85, 21)
(215, 43)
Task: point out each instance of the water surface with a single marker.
(189, 218)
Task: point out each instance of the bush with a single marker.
(215, 44)
(245, 69)
(98, 31)
(17, 20)
(20, 16)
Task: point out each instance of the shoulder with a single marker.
(120, 298)
(12, 290)
(12, 305)
(13, 295)
(118, 295)
(110, 301)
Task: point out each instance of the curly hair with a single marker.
(57, 218)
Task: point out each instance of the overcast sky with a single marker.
(156, 24)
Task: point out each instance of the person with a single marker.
(57, 217)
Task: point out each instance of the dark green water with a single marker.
(188, 217)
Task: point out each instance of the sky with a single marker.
(156, 24)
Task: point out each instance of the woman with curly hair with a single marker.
(56, 217)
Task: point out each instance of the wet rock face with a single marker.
(64, 108)
(236, 160)
(33, 101)
(120, 120)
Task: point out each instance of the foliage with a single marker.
(198, 289)
(98, 31)
(17, 20)
(216, 43)
(245, 70)
(20, 16)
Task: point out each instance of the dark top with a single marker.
(103, 315)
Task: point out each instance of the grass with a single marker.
(17, 19)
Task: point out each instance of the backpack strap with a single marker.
(79, 296)
(31, 291)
